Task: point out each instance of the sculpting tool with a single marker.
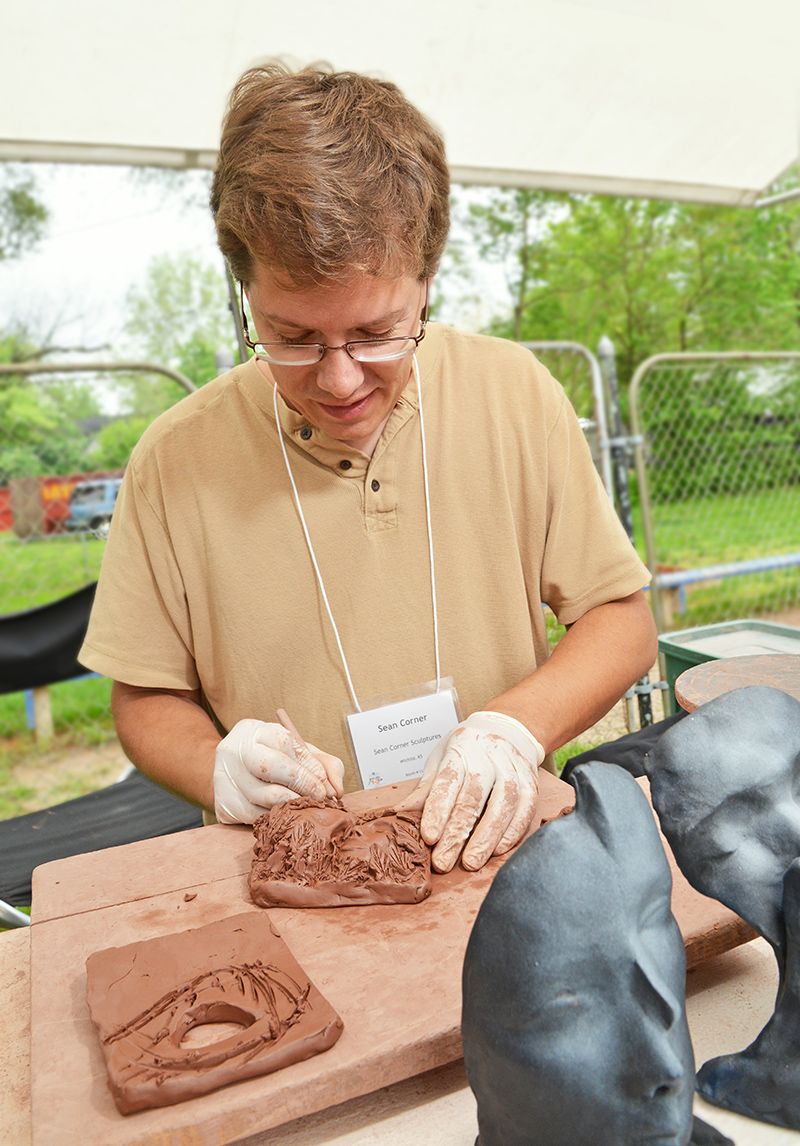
(304, 753)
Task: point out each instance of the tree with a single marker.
(22, 216)
(115, 443)
(655, 276)
(40, 415)
(179, 319)
(39, 431)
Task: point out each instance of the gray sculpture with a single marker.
(726, 785)
(573, 1025)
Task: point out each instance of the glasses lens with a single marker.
(382, 350)
(288, 355)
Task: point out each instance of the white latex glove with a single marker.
(259, 764)
(488, 761)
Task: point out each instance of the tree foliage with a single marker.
(38, 433)
(115, 443)
(654, 276)
(39, 419)
(658, 277)
(22, 216)
(179, 319)
(723, 428)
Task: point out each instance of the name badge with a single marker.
(391, 741)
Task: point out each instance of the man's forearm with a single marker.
(170, 737)
(591, 667)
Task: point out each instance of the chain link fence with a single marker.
(717, 451)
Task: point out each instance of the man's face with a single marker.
(351, 401)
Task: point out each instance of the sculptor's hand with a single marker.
(488, 761)
(259, 764)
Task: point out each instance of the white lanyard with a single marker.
(311, 548)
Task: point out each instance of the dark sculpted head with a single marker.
(323, 176)
(574, 1025)
(726, 785)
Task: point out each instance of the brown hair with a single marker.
(325, 174)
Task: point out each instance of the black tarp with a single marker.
(134, 809)
(40, 646)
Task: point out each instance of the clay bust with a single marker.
(726, 785)
(574, 1026)
(313, 854)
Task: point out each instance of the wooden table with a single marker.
(393, 973)
(728, 1001)
(703, 682)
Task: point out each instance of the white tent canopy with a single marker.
(691, 99)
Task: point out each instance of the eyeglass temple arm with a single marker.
(239, 320)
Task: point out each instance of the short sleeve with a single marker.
(140, 631)
(588, 557)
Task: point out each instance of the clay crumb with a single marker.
(190, 895)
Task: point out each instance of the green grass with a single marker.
(709, 531)
(39, 570)
(567, 751)
(713, 531)
(34, 572)
(81, 709)
(688, 534)
(81, 712)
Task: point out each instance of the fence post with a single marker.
(42, 714)
(619, 459)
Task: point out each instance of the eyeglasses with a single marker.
(362, 350)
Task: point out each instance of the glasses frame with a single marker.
(322, 348)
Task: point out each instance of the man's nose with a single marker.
(338, 373)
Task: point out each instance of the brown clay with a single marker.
(145, 998)
(312, 854)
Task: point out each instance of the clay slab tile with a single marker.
(153, 1002)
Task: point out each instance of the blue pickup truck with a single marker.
(91, 504)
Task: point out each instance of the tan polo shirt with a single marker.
(207, 579)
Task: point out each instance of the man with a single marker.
(367, 498)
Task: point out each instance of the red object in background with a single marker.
(54, 492)
(37, 506)
(6, 520)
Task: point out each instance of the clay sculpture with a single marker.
(313, 854)
(145, 999)
(726, 785)
(574, 1025)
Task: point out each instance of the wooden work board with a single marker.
(392, 973)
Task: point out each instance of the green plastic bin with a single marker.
(689, 647)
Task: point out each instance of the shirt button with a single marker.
(305, 433)
(376, 485)
(345, 464)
